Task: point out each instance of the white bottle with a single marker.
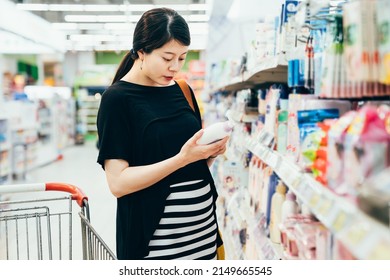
(290, 206)
(276, 212)
(215, 132)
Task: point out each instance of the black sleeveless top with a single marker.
(144, 125)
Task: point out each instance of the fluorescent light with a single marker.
(82, 18)
(99, 18)
(107, 8)
(102, 8)
(135, 8)
(92, 37)
(33, 7)
(65, 8)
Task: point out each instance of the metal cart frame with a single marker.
(27, 225)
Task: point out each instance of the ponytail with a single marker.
(124, 67)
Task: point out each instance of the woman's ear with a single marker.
(141, 54)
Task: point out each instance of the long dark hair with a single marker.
(155, 28)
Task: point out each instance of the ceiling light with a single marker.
(102, 8)
(65, 8)
(107, 8)
(100, 18)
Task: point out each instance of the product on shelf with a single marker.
(374, 197)
(276, 211)
(367, 148)
(383, 23)
(336, 141)
(290, 206)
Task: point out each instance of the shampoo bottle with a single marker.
(276, 212)
(290, 206)
(215, 132)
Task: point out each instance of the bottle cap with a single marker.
(228, 126)
(291, 196)
(281, 188)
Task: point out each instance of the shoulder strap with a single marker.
(186, 91)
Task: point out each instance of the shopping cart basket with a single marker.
(37, 224)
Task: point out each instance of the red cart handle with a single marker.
(77, 193)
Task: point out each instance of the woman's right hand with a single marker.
(191, 151)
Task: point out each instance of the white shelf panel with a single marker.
(273, 69)
(365, 237)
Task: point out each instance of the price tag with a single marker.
(273, 159)
(357, 233)
(278, 162)
(340, 221)
(297, 182)
(326, 206)
(283, 172)
(306, 191)
(315, 198)
(381, 251)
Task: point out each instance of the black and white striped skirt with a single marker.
(188, 227)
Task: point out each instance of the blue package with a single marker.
(290, 73)
(290, 9)
(308, 119)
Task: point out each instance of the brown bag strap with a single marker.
(186, 91)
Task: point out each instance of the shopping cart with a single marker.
(36, 223)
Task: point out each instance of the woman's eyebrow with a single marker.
(174, 53)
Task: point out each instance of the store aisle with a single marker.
(79, 167)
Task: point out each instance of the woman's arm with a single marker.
(124, 179)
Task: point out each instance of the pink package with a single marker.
(367, 147)
(335, 150)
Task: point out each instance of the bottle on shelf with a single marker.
(282, 127)
(278, 199)
(290, 206)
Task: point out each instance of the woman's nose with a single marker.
(174, 66)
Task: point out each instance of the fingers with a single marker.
(196, 136)
(219, 147)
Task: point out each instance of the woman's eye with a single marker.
(167, 59)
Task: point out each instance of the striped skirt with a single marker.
(188, 227)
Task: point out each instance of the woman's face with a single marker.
(162, 65)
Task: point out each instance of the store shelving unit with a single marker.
(365, 237)
(273, 69)
(89, 106)
(5, 151)
(24, 147)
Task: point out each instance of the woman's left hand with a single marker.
(221, 151)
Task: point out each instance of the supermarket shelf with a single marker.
(365, 237)
(272, 69)
(19, 127)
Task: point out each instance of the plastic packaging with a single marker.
(215, 132)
